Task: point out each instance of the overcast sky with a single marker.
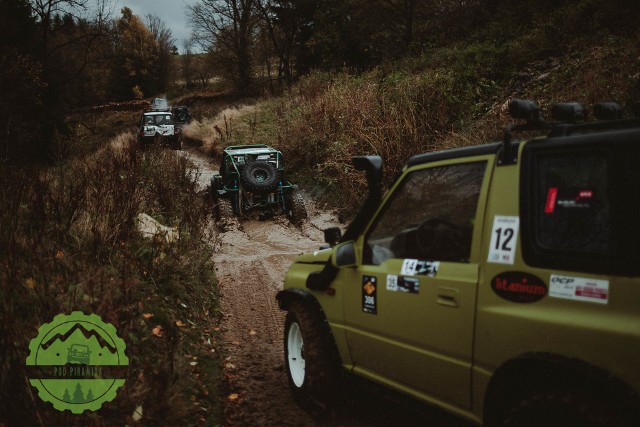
(171, 12)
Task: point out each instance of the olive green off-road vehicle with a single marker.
(500, 283)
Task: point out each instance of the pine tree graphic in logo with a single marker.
(77, 362)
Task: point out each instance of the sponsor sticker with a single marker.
(403, 284)
(370, 294)
(579, 289)
(504, 236)
(413, 267)
(518, 286)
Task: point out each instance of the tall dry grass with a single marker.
(326, 121)
(453, 98)
(68, 241)
(213, 134)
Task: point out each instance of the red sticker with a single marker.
(552, 195)
(585, 194)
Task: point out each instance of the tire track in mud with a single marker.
(251, 266)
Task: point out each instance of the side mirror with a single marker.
(332, 236)
(344, 255)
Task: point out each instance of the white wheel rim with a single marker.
(295, 349)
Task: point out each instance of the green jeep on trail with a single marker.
(252, 179)
(500, 283)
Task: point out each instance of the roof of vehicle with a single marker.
(454, 153)
(235, 150)
(156, 113)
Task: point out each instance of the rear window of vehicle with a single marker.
(572, 202)
(580, 201)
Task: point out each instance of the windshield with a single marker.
(158, 120)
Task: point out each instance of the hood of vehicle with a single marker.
(316, 257)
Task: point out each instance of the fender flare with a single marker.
(285, 297)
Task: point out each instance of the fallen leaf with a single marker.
(157, 331)
(30, 283)
(235, 342)
(233, 397)
(193, 363)
(252, 332)
(59, 255)
(147, 315)
(180, 323)
(137, 414)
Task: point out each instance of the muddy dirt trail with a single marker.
(251, 259)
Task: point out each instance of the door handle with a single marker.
(448, 297)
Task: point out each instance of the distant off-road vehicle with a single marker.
(252, 179)
(181, 115)
(158, 127)
(500, 283)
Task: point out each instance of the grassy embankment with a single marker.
(69, 241)
(451, 97)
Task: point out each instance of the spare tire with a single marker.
(260, 176)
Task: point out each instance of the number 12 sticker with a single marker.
(504, 237)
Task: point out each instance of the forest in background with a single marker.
(63, 55)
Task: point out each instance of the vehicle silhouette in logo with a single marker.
(78, 353)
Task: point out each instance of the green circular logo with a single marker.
(77, 362)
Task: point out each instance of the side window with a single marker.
(572, 210)
(430, 216)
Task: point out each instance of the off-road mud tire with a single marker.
(563, 408)
(224, 209)
(259, 176)
(318, 387)
(296, 209)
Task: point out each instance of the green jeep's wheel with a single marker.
(225, 209)
(563, 408)
(259, 176)
(296, 209)
(310, 357)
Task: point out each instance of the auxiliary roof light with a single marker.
(607, 111)
(569, 112)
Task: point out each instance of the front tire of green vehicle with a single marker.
(297, 210)
(310, 357)
(563, 408)
(224, 209)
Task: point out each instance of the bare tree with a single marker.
(226, 27)
(165, 46)
(45, 10)
(282, 34)
(187, 62)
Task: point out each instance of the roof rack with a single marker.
(569, 118)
